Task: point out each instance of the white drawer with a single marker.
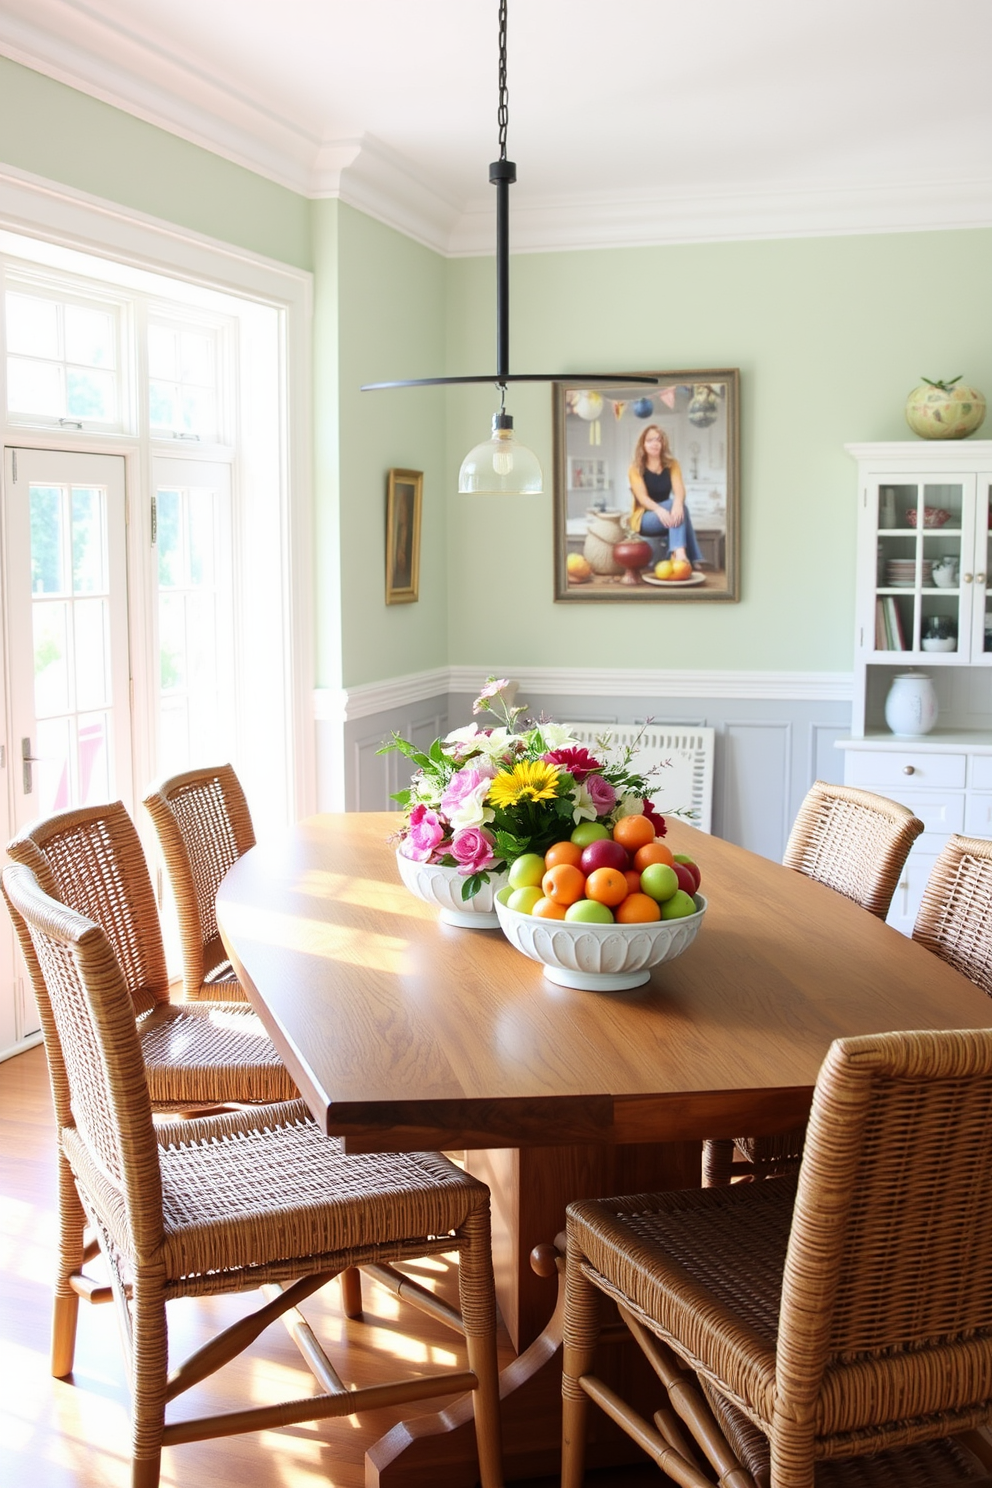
(888, 768)
(941, 812)
(981, 772)
(978, 814)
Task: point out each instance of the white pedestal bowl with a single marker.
(442, 887)
(599, 958)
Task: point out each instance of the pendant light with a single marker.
(500, 466)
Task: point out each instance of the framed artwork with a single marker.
(647, 488)
(404, 494)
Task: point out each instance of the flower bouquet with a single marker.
(483, 796)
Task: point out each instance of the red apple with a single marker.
(685, 876)
(604, 854)
(693, 869)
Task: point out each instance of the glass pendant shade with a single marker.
(501, 466)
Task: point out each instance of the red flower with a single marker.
(577, 761)
(657, 821)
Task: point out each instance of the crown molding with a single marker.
(123, 69)
(786, 210)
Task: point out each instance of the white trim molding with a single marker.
(344, 705)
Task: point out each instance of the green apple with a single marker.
(589, 911)
(660, 881)
(678, 906)
(524, 899)
(526, 871)
(587, 832)
(504, 893)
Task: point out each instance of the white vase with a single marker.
(911, 704)
(442, 887)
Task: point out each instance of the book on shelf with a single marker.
(880, 644)
(893, 625)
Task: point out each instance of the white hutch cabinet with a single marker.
(924, 604)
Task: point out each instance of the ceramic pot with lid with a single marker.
(911, 704)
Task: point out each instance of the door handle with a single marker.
(27, 760)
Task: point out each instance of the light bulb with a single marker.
(501, 466)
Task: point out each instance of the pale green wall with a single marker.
(830, 334)
(57, 132)
(390, 324)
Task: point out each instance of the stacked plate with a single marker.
(900, 573)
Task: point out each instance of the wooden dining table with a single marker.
(406, 1034)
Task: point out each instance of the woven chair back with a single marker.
(94, 1019)
(887, 1298)
(955, 915)
(91, 860)
(854, 842)
(204, 827)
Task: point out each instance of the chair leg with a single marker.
(65, 1311)
(477, 1301)
(581, 1331)
(718, 1161)
(351, 1292)
(149, 1356)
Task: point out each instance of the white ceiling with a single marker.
(630, 120)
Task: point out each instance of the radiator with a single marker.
(678, 763)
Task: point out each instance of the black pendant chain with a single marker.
(503, 110)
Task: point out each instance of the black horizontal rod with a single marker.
(590, 379)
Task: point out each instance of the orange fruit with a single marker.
(633, 880)
(636, 909)
(564, 883)
(607, 886)
(681, 569)
(633, 832)
(547, 909)
(653, 852)
(563, 852)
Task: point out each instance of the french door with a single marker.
(65, 561)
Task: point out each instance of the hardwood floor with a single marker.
(74, 1433)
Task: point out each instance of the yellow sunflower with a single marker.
(530, 780)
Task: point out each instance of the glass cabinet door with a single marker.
(924, 578)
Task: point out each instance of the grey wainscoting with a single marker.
(769, 749)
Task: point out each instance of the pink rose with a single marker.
(601, 793)
(473, 848)
(425, 832)
(462, 785)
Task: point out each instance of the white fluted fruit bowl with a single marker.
(599, 958)
(442, 887)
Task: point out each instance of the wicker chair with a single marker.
(839, 1324)
(91, 860)
(232, 1202)
(204, 826)
(856, 843)
(955, 915)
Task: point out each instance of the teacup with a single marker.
(945, 574)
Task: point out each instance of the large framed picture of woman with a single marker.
(647, 488)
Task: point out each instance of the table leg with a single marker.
(531, 1188)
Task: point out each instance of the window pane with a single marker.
(34, 387)
(92, 621)
(170, 552)
(197, 359)
(163, 405)
(89, 337)
(172, 642)
(90, 394)
(88, 545)
(52, 782)
(199, 412)
(51, 657)
(93, 758)
(163, 361)
(47, 540)
(32, 325)
(201, 536)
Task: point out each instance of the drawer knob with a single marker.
(979, 578)
(909, 769)
(968, 578)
